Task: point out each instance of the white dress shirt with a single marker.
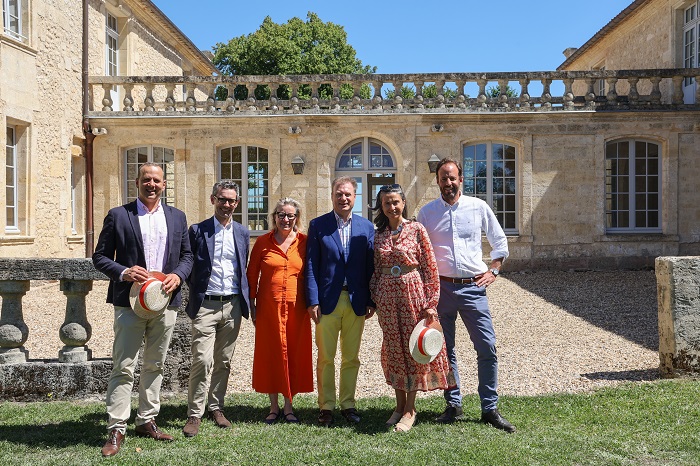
(154, 234)
(223, 280)
(455, 233)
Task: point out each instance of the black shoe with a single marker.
(450, 415)
(350, 415)
(494, 418)
(325, 418)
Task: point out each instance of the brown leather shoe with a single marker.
(219, 419)
(191, 426)
(113, 443)
(150, 429)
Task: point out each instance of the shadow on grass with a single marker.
(638, 375)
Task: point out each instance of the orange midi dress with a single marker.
(282, 361)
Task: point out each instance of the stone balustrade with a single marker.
(353, 94)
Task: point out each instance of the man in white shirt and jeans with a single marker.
(455, 223)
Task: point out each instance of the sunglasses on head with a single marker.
(390, 187)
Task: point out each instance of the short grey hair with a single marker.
(226, 184)
(281, 203)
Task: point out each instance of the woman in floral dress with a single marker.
(406, 288)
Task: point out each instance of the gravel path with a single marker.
(556, 332)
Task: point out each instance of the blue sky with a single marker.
(419, 37)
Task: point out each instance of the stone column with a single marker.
(76, 330)
(678, 291)
(13, 330)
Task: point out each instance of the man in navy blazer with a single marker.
(219, 298)
(138, 237)
(340, 263)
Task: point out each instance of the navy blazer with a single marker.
(327, 269)
(202, 240)
(120, 246)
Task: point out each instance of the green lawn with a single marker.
(638, 424)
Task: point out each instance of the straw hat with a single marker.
(426, 341)
(148, 300)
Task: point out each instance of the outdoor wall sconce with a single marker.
(298, 165)
(438, 128)
(433, 163)
(294, 130)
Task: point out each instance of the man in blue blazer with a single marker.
(138, 237)
(219, 298)
(340, 263)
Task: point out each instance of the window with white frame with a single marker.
(248, 166)
(371, 164)
(632, 186)
(691, 46)
(490, 171)
(14, 19)
(163, 156)
(11, 187)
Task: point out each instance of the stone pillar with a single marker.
(76, 330)
(678, 291)
(13, 330)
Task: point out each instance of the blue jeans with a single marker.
(470, 302)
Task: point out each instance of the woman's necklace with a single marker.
(398, 230)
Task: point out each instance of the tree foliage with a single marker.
(294, 47)
(429, 92)
(494, 92)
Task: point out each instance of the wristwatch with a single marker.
(495, 271)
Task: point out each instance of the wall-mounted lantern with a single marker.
(433, 163)
(298, 165)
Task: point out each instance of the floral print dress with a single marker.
(400, 304)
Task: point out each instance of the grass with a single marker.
(637, 424)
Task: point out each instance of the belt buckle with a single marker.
(396, 271)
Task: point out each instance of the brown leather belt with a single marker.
(458, 281)
(211, 297)
(398, 270)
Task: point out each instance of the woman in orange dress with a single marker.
(404, 295)
(282, 356)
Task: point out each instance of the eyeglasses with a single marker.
(390, 187)
(283, 215)
(225, 200)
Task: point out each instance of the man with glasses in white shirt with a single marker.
(455, 223)
(218, 301)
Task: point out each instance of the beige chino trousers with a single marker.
(214, 332)
(130, 331)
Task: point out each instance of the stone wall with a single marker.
(678, 283)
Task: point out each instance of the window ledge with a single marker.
(12, 42)
(16, 239)
(75, 239)
(636, 237)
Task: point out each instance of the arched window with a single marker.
(248, 166)
(632, 186)
(163, 156)
(490, 174)
(372, 165)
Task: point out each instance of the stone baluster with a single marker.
(440, 99)
(128, 98)
(377, 98)
(398, 99)
(149, 102)
(315, 96)
(503, 93)
(191, 101)
(356, 98)
(546, 94)
(677, 90)
(107, 99)
(655, 90)
(481, 98)
(419, 99)
(294, 100)
(13, 330)
(568, 94)
(274, 87)
(524, 94)
(76, 330)
(633, 95)
(460, 100)
(612, 90)
(170, 98)
(336, 96)
(590, 93)
(230, 104)
(211, 97)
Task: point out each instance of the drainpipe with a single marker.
(89, 138)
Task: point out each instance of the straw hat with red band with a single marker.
(148, 300)
(426, 341)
